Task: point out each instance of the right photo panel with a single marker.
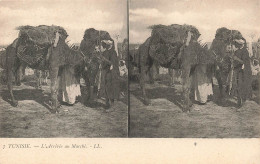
(194, 68)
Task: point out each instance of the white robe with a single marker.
(69, 86)
(202, 84)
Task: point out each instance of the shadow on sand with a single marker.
(28, 94)
(176, 97)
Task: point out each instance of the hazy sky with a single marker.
(74, 16)
(206, 15)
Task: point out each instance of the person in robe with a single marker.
(110, 84)
(69, 85)
(202, 84)
(258, 49)
(241, 80)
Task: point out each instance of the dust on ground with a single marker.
(164, 117)
(33, 119)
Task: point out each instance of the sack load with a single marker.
(41, 34)
(226, 35)
(173, 34)
(38, 39)
(167, 45)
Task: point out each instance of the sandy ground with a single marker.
(164, 117)
(32, 117)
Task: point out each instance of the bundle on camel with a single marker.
(167, 44)
(227, 35)
(41, 34)
(173, 33)
(34, 43)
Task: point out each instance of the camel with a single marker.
(173, 47)
(51, 58)
(221, 48)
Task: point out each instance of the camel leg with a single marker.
(54, 89)
(172, 75)
(88, 87)
(39, 79)
(151, 74)
(18, 74)
(186, 86)
(179, 79)
(45, 81)
(23, 70)
(142, 84)
(10, 60)
(220, 85)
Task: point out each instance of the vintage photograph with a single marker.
(63, 69)
(190, 68)
(194, 68)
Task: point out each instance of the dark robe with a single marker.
(241, 84)
(110, 82)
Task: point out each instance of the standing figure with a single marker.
(110, 84)
(124, 50)
(202, 83)
(241, 83)
(258, 49)
(69, 85)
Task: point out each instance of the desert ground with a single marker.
(33, 119)
(164, 117)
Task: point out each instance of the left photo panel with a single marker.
(63, 69)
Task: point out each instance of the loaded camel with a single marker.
(174, 47)
(43, 48)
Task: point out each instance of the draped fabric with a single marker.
(202, 84)
(69, 86)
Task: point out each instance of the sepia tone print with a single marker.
(190, 69)
(63, 70)
(194, 68)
